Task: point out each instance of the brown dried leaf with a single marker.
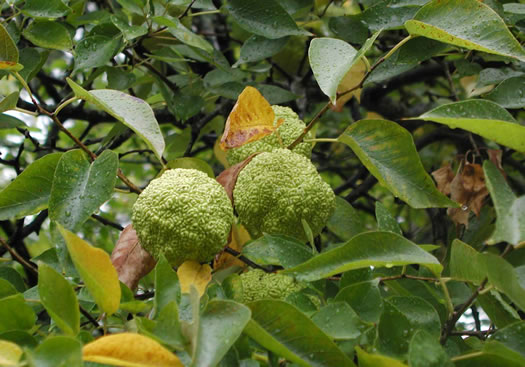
(228, 177)
(239, 236)
(251, 119)
(495, 157)
(130, 259)
(443, 177)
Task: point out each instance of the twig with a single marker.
(407, 276)
(107, 222)
(187, 9)
(244, 259)
(26, 264)
(88, 316)
(482, 334)
(326, 8)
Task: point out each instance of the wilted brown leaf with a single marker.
(443, 177)
(251, 119)
(495, 157)
(228, 177)
(129, 350)
(239, 236)
(130, 259)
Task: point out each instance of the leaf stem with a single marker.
(321, 140)
(466, 356)
(27, 112)
(64, 104)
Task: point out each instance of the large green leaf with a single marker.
(389, 153)
(339, 321)
(346, 222)
(364, 250)
(287, 332)
(510, 222)
(80, 187)
(183, 34)
(45, 8)
(58, 351)
(385, 220)
(510, 93)
(129, 32)
(8, 50)
(15, 314)
(463, 264)
(277, 250)
(265, 18)
(167, 287)
(48, 34)
(513, 337)
(364, 298)
(96, 270)
(59, 299)
(95, 51)
(220, 325)
(10, 122)
(258, 48)
(131, 111)
(30, 191)
(425, 351)
(9, 102)
(465, 23)
(385, 16)
(484, 118)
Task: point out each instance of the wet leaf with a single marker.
(45, 8)
(48, 34)
(8, 50)
(129, 350)
(95, 51)
(192, 274)
(510, 93)
(130, 259)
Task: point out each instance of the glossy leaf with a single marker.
(346, 222)
(95, 51)
(339, 321)
(367, 249)
(510, 93)
(167, 287)
(8, 49)
(393, 331)
(385, 220)
(364, 298)
(59, 299)
(258, 48)
(463, 263)
(513, 337)
(45, 8)
(264, 18)
(510, 221)
(465, 23)
(80, 187)
(9, 102)
(58, 351)
(425, 351)
(48, 34)
(183, 34)
(287, 332)
(96, 270)
(15, 314)
(481, 117)
(10, 354)
(129, 350)
(376, 360)
(388, 151)
(419, 313)
(220, 325)
(131, 111)
(130, 32)
(384, 16)
(30, 191)
(277, 250)
(10, 122)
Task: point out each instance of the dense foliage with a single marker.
(415, 108)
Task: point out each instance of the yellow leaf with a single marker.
(352, 78)
(239, 237)
(129, 350)
(251, 119)
(96, 270)
(192, 273)
(10, 353)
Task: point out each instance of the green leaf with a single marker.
(513, 337)
(287, 332)
(510, 221)
(130, 32)
(167, 327)
(48, 34)
(95, 51)
(463, 263)
(419, 313)
(183, 34)
(364, 298)
(393, 331)
(484, 118)
(258, 48)
(465, 23)
(330, 60)
(96, 270)
(45, 8)
(10, 122)
(58, 351)
(167, 287)
(80, 187)
(497, 309)
(29, 192)
(131, 111)
(191, 163)
(384, 16)
(389, 153)
(9, 102)
(425, 351)
(349, 28)
(6, 288)
(339, 321)
(59, 299)
(8, 50)
(13, 277)
(15, 314)
(275, 94)
(367, 249)
(376, 360)
(510, 93)
(277, 250)
(219, 326)
(346, 222)
(385, 220)
(264, 18)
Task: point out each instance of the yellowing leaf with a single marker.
(352, 78)
(251, 119)
(129, 350)
(239, 237)
(192, 273)
(10, 353)
(95, 268)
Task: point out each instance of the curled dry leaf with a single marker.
(129, 350)
(228, 177)
(191, 273)
(239, 236)
(495, 157)
(130, 259)
(443, 177)
(251, 119)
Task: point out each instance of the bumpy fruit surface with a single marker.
(184, 214)
(256, 285)
(279, 189)
(286, 134)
